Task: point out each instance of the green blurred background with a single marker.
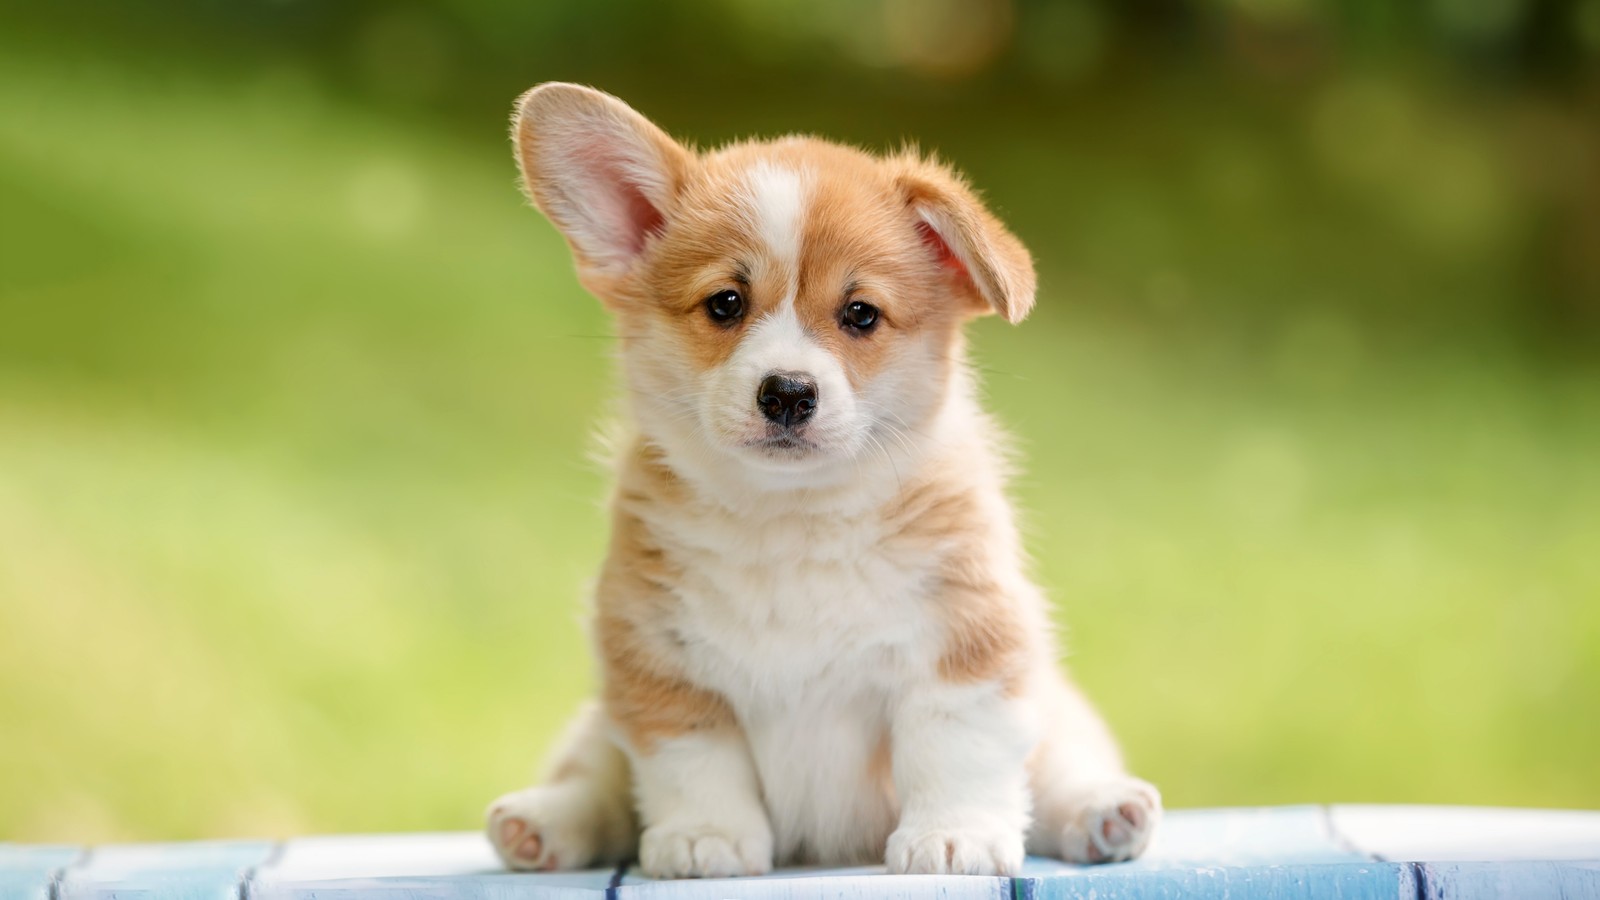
(296, 516)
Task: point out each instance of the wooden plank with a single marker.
(804, 885)
(26, 872)
(1345, 881)
(1494, 880)
(201, 870)
(379, 855)
(456, 866)
(503, 886)
(1235, 853)
(1238, 853)
(1463, 833)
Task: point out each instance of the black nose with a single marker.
(787, 398)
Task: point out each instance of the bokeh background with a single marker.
(296, 395)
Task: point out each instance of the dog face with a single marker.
(785, 307)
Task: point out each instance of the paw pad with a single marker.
(1117, 821)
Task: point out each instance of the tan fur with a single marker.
(644, 691)
(989, 636)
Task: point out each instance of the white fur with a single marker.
(700, 796)
(777, 203)
(959, 762)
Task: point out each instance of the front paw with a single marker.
(671, 850)
(965, 850)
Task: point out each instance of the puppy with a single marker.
(817, 640)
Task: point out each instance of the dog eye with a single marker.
(725, 306)
(860, 316)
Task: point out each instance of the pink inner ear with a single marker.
(941, 251)
(644, 219)
(629, 215)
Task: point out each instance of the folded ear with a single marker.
(603, 174)
(983, 259)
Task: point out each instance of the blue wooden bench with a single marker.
(1303, 851)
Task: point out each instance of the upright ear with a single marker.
(984, 261)
(603, 174)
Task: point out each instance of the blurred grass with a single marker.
(296, 518)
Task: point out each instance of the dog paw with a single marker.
(670, 850)
(542, 829)
(1117, 820)
(976, 850)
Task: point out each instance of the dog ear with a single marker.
(984, 261)
(603, 174)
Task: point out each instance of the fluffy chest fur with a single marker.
(770, 610)
(810, 623)
(806, 625)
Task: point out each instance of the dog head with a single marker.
(786, 307)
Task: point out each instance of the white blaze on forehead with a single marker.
(777, 197)
(778, 342)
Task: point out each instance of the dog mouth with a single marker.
(784, 445)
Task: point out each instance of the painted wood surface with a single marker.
(1440, 834)
(199, 870)
(1519, 878)
(1348, 881)
(27, 873)
(1355, 852)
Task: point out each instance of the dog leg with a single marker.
(700, 799)
(580, 815)
(959, 769)
(1087, 809)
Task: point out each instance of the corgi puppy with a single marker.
(818, 643)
